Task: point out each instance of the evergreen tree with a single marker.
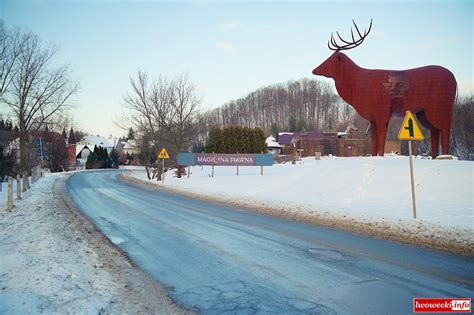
(275, 130)
(198, 148)
(57, 155)
(301, 125)
(236, 139)
(63, 134)
(7, 162)
(131, 134)
(72, 137)
(292, 124)
(114, 158)
(213, 140)
(257, 141)
(47, 135)
(91, 160)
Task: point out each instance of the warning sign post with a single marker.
(410, 130)
(163, 155)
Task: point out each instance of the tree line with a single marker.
(462, 128)
(308, 104)
(7, 154)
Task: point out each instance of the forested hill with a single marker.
(283, 105)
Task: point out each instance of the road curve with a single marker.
(217, 259)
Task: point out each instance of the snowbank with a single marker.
(362, 190)
(54, 261)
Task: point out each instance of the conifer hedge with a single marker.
(236, 139)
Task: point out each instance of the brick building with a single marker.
(335, 143)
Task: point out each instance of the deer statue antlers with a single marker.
(349, 45)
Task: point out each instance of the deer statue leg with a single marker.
(382, 135)
(373, 129)
(445, 140)
(434, 142)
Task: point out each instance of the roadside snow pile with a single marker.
(130, 167)
(55, 261)
(362, 189)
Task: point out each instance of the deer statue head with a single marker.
(337, 63)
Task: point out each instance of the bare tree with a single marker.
(38, 91)
(462, 129)
(178, 110)
(164, 111)
(140, 110)
(11, 45)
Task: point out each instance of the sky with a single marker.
(231, 48)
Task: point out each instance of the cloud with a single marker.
(231, 25)
(224, 46)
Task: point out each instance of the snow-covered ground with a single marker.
(54, 261)
(361, 189)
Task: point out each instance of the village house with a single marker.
(334, 143)
(86, 146)
(273, 147)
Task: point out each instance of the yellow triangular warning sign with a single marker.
(163, 154)
(410, 129)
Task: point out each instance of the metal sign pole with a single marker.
(412, 178)
(41, 150)
(163, 171)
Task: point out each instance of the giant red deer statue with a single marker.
(429, 92)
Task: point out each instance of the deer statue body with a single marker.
(428, 92)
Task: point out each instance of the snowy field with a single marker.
(53, 261)
(361, 189)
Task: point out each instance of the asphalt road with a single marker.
(218, 259)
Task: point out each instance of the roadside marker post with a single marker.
(18, 187)
(237, 167)
(212, 168)
(24, 182)
(10, 195)
(411, 131)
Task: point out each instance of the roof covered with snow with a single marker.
(270, 139)
(272, 143)
(96, 140)
(80, 147)
(130, 144)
